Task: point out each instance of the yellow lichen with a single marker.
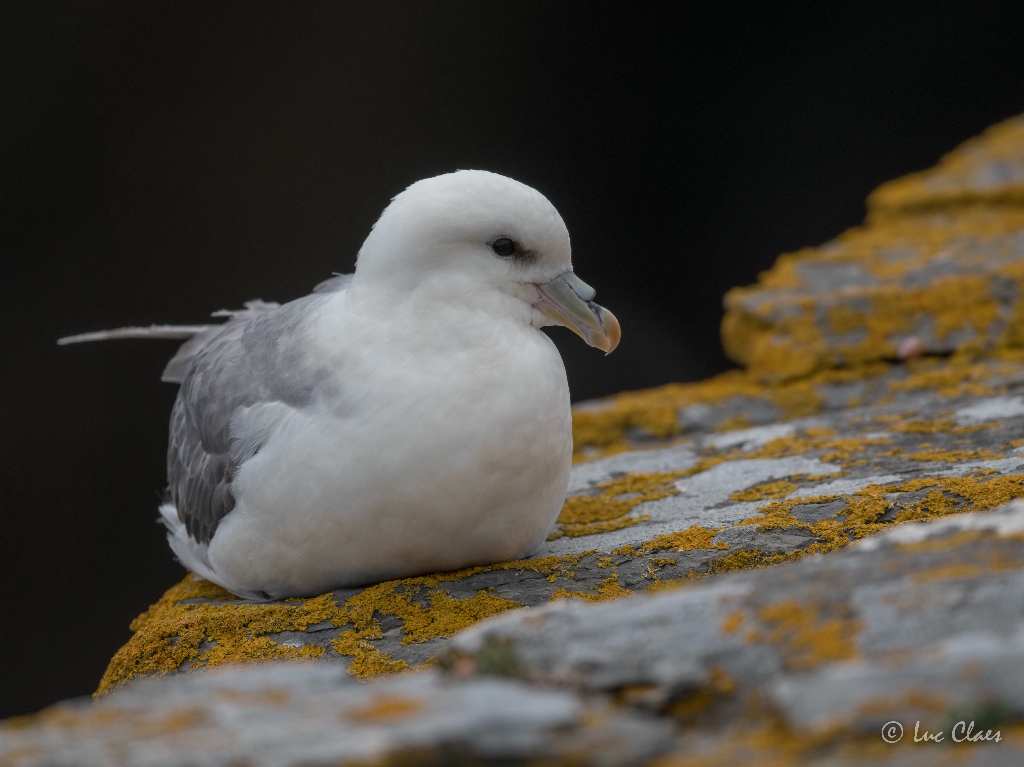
(797, 344)
(610, 588)
(366, 660)
(732, 423)
(954, 180)
(611, 508)
(691, 706)
(733, 622)
(693, 537)
(779, 332)
(952, 456)
(957, 571)
(178, 630)
(865, 510)
(604, 428)
(806, 638)
(447, 615)
(386, 708)
(777, 489)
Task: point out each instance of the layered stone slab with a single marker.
(929, 439)
(928, 274)
(847, 659)
(810, 561)
(987, 170)
(844, 659)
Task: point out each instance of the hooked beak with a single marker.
(568, 301)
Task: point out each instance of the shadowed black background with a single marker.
(162, 160)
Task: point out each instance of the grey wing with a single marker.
(180, 364)
(200, 463)
(237, 384)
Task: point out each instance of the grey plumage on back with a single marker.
(252, 364)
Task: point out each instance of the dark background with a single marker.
(162, 160)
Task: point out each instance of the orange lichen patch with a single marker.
(733, 622)
(654, 412)
(779, 351)
(952, 456)
(604, 428)
(366, 660)
(915, 699)
(832, 449)
(978, 493)
(955, 180)
(634, 694)
(778, 515)
(448, 615)
(935, 504)
(782, 333)
(179, 630)
(268, 697)
(176, 631)
(746, 559)
(611, 509)
(610, 588)
(443, 617)
(734, 422)
(936, 426)
(806, 638)
(689, 707)
(988, 561)
(777, 489)
(693, 537)
(89, 719)
(952, 572)
(386, 708)
(811, 440)
(961, 375)
(257, 649)
(865, 511)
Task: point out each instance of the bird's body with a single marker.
(410, 419)
(393, 466)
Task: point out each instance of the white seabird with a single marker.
(406, 419)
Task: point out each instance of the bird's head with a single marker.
(486, 241)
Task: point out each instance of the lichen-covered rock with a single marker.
(884, 389)
(885, 385)
(986, 170)
(825, 661)
(806, 663)
(307, 714)
(923, 276)
(932, 438)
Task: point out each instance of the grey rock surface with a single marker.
(817, 560)
(703, 503)
(920, 628)
(314, 714)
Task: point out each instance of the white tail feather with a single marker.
(163, 332)
(189, 552)
(194, 555)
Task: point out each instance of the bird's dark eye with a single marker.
(504, 247)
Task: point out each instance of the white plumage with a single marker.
(411, 419)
